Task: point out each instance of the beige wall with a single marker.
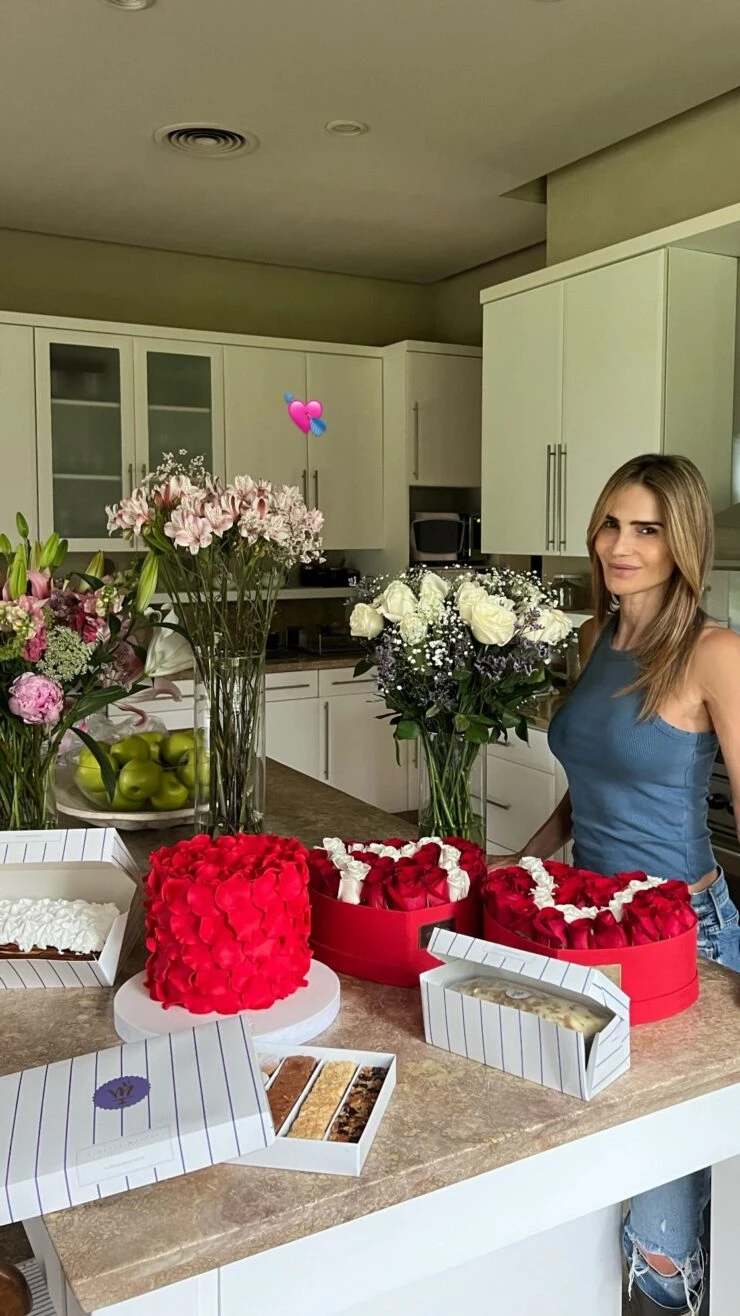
(458, 317)
(684, 167)
(104, 281)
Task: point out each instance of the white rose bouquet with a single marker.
(457, 658)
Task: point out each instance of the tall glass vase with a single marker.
(230, 746)
(452, 787)
(27, 768)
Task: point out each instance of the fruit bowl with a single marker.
(71, 802)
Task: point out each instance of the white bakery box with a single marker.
(76, 1130)
(512, 1040)
(77, 863)
(323, 1156)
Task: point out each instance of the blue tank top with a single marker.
(638, 789)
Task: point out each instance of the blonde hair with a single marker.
(664, 653)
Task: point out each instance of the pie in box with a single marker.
(374, 904)
(643, 926)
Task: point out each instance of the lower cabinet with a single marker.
(525, 782)
(292, 720)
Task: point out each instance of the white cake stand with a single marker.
(297, 1019)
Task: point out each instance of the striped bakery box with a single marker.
(75, 863)
(517, 1043)
(100, 1124)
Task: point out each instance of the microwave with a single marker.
(444, 537)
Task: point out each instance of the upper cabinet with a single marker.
(108, 409)
(18, 488)
(443, 399)
(179, 391)
(580, 375)
(340, 470)
(85, 433)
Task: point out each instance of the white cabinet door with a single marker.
(359, 752)
(179, 391)
(85, 434)
(292, 734)
(522, 398)
(18, 489)
(444, 419)
(520, 800)
(261, 439)
(613, 382)
(346, 462)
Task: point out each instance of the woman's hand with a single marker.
(494, 861)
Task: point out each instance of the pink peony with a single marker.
(35, 647)
(36, 699)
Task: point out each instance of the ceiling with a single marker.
(467, 99)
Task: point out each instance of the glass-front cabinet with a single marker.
(179, 403)
(85, 432)
(108, 409)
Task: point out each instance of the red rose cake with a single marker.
(227, 923)
(374, 904)
(643, 926)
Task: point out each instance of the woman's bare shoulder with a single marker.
(717, 658)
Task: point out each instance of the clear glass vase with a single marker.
(230, 746)
(452, 788)
(27, 771)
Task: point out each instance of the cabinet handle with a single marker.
(130, 478)
(300, 685)
(316, 488)
(549, 531)
(326, 740)
(356, 681)
(498, 805)
(415, 471)
(416, 753)
(562, 494)
(304, 478)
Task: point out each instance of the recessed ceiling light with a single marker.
(206, 141)
(347, 127)
(131, 4)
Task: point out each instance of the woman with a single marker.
(637, 738)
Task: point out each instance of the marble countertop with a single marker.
(124, 1246)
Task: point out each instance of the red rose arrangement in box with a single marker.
(563, 907)
(227, 922)
(396, 874)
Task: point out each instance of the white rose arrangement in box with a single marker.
(457, 658)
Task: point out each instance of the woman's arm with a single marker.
(718, 673)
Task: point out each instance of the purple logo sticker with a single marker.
(119, 1093)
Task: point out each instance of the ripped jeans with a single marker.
(671, 1219)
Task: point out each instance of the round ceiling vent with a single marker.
(131, 4)
(206, 141)
(347, 127)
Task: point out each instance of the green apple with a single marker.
(175, 746)
(89, 778)
(98, 798)
(172, 794)
(139, 780)
(131, 747)
(121, 804)
(154, 741)
(88, 760)
(186, 769)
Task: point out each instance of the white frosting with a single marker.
(544, 897)
(354, 871)
(74, 925)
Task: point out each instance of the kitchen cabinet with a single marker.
(522, 404)
(341, 470)
(292, 728)
(358, 752)
(525, 782)
(179, 404)
(582, 374)
(18, 489)
(85, 433)
(108, 408)
(443, 417)
(261, 439)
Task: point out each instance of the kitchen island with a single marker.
(481, 1191)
